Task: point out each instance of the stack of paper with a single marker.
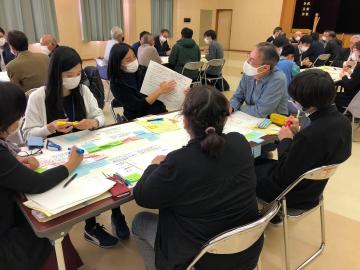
(159, 125)
(60, 198)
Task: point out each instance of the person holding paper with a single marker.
(201, 190)
(20, 248)
(126, 81)
(65, 105)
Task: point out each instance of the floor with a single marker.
(342, 204)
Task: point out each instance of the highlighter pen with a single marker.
(70, 180)
(79, 151)
(63, 123)
(155, 119)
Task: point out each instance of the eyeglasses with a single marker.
(33, 152)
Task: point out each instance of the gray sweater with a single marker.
(147, 53)
(215, 52)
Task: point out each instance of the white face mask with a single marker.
(297, 38)
(21, 120)
(249, 70)
(2, 41)
(162, 39)
(207, 41)
(303, 48)
(354, 57)
(324, 38)
(72, 82)
(132, 67)
(45, 50)
(279, 50)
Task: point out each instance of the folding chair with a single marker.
(118, 118)
(318, 174)
(215, 63)
(238, 239)
(322, 57)
(196, 67)
(354, 109)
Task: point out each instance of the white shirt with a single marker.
(108, 48)
(2, 63)
(35, 115)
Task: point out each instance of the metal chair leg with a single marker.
(286, 233)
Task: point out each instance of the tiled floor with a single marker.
(342, 204)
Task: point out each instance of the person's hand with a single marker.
(158, 159)
(294, 127)
(344, 73)
(53, 126)
(87, 124)
(74, 160)
(168, 52)
(167, 86)
(350, 64)
(187, 90)
(285, 133)
(306, 62)
(31, 162)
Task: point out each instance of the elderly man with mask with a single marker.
(117, 35)
(346, 57)
(48, 44)
(147, 51)
(263, 87)
(161, 43)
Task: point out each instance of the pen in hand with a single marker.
(70, 180)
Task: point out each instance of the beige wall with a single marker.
(253, 21)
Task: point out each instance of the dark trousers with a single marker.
(342, 101)
(91, 222)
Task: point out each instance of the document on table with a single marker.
(157, 74)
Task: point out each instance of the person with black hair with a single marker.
(263, 87)
(28, 69)
(302, 52)
(350, 80)
(201, 190)
(20, 248)
(64, 98)
(326, 141)
(316, 49)
(332, 46)
(277, 32)
(184, 51)
(214, 51)
(125, 84)
(5, 53)
(161, 43)
(137, 44)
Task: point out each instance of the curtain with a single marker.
(34, 17)
(162, 15)
(99, 16)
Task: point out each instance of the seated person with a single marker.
(277, 32)
(184, 51)
(346, 55)
(137, 44)
(28, 69)
(20, 248)
(287, 64)
(147, 52)
(316, 49)
(296, 37)
(117, 36)
(5, 53)
(302, 150)
(48, 44)
(161, 43)
(214, 51)
(350, 81)
(263, 87)
(324, 37)
(332, 46)
(65, 99)
(302, 52)
(198, 202)
(126, 81)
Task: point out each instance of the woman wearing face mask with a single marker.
(5, 53)
(125, 84)
(19, 247)
(65, 99)
(326, 140)
(350, 80)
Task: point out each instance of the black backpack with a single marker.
(91, 78)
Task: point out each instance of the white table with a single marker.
(4, 77)
(334, 72)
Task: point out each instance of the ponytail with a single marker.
(213, 143)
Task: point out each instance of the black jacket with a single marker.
(270, 39)
(7, 54)
(341, 57)
(352, 85)
(316, 49)
(162, 48)
(133, 102)
(327, 140)
(199, 197)
(333, 47)
(19, 247)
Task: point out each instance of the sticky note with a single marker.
(71, 137)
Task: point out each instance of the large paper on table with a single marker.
(155, 75)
